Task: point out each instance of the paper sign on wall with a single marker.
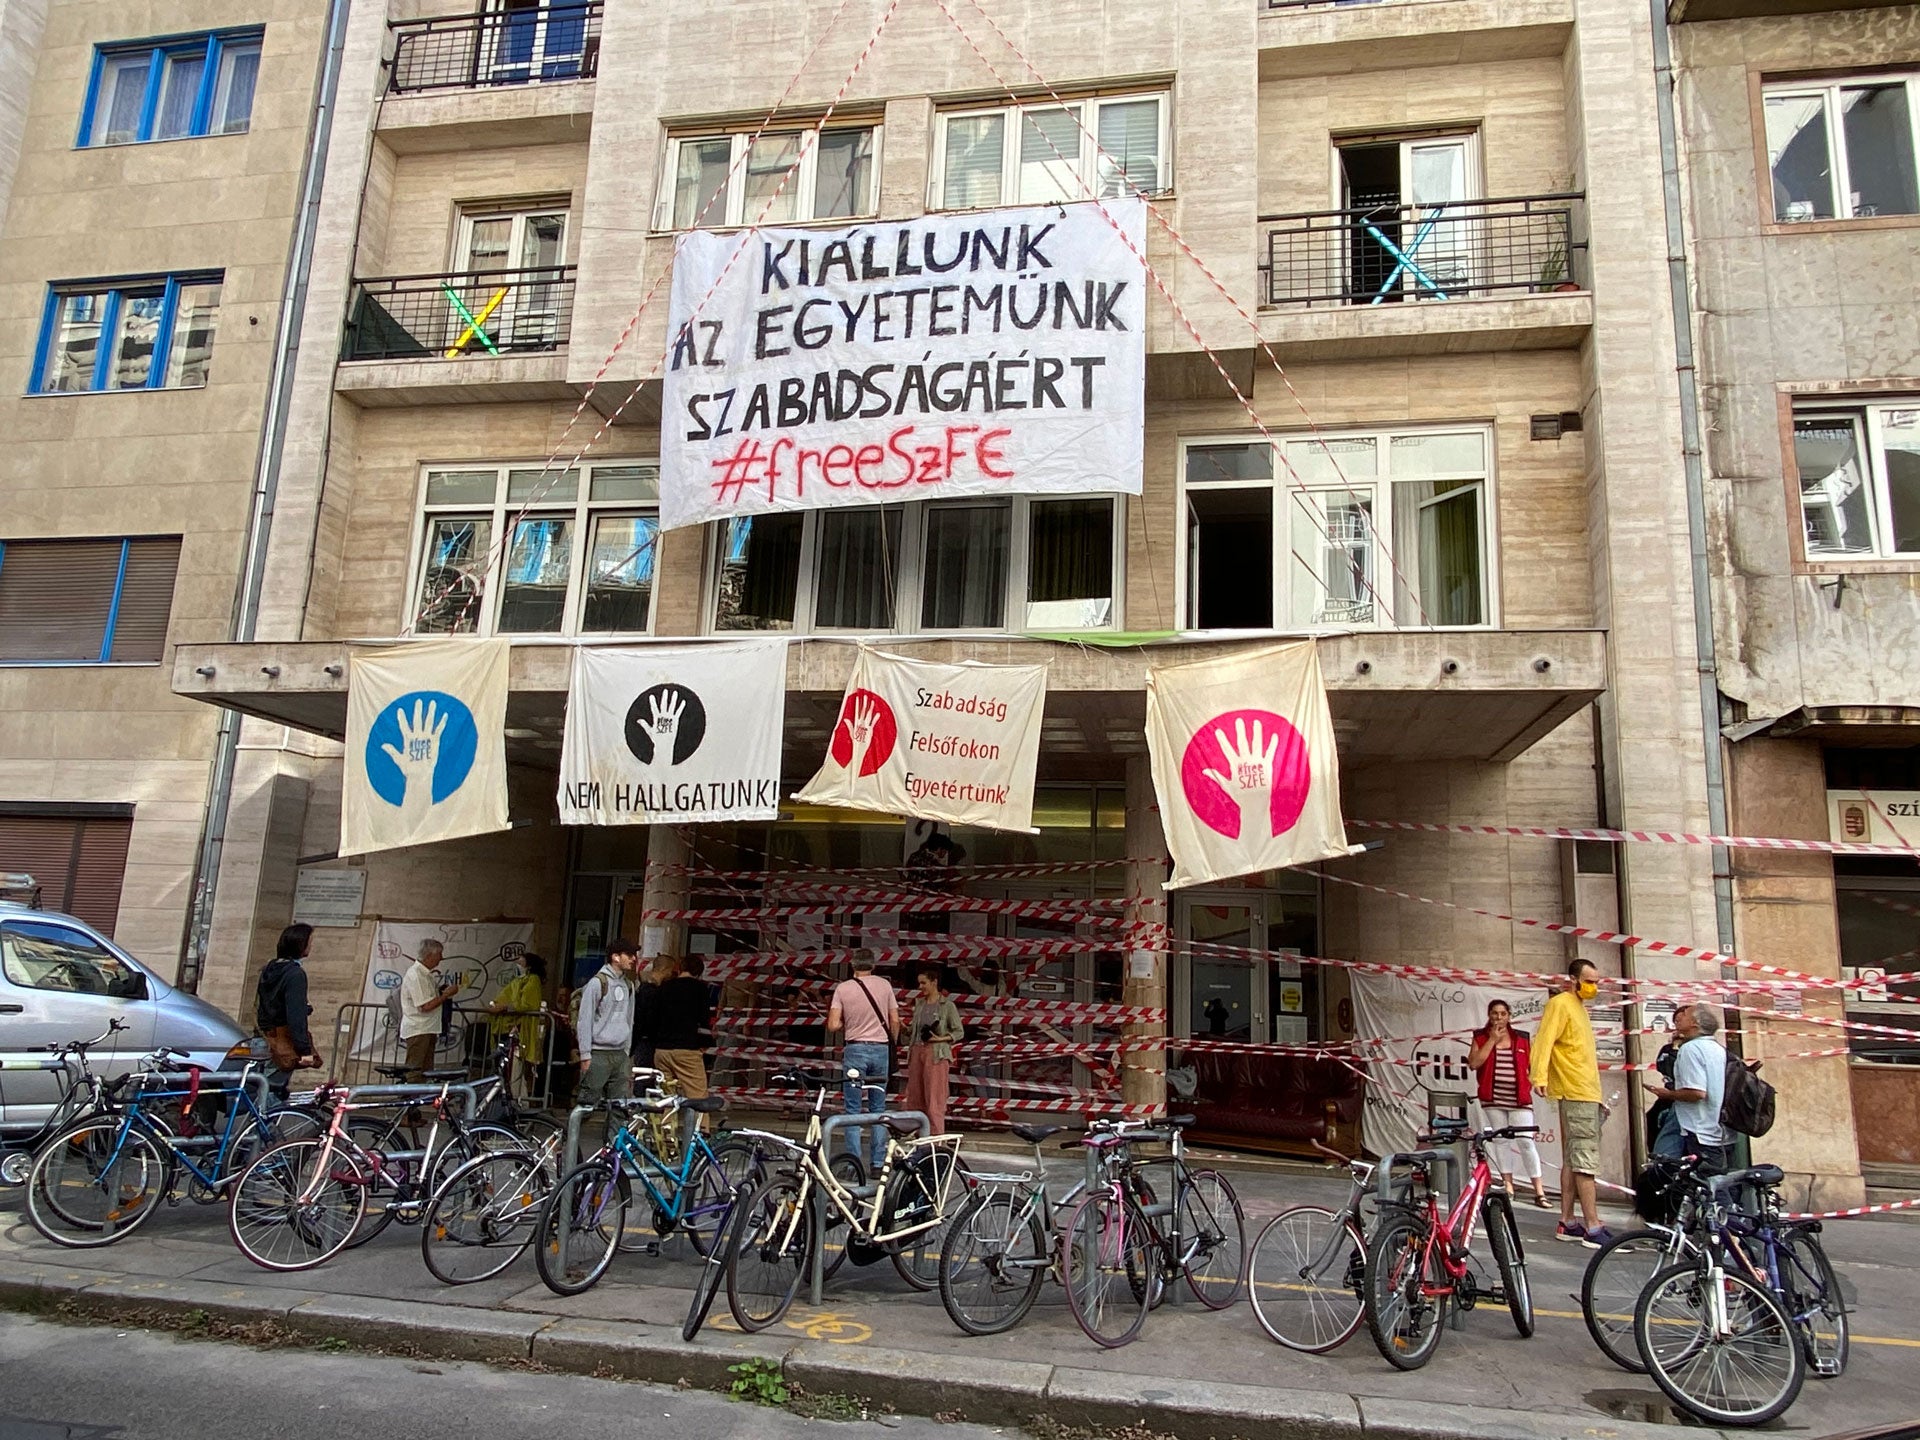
(481, 957)
(684, 734)
(1244, 765)
(426, 744)
(995, 352)
(946, 742)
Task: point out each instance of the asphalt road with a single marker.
(66, 1382)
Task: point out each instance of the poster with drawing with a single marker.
(481, 955)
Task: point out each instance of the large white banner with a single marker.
(1244, 765)
(681, 734)
(942, 742)
(426, 744)
(482, 956)
(996, 352)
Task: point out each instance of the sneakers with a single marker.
(1597, 1238)
(1572, 1231)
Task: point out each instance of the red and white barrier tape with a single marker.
(1854, 1213)
(1645, 837)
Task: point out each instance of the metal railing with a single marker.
(366, 1042)
(560, 41)
(1395, 253)
(445, 317)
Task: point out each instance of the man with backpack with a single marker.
(1699, 1088)
(603, 1027)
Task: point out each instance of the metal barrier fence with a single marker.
(1396, 253)
(531, 46)
(424, 317)
(366, 1039)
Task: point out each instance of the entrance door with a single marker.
(537, 40)
(1408, 239)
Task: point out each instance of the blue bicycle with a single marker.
(97, 1181)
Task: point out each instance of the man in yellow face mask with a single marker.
(1566, 1069)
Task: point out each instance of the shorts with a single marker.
(1580, 1135)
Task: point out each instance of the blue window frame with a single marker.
(150, 332)
(171, 89)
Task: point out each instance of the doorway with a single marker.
(1407, 238)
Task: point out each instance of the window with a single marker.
(148, 334)
(577, 559)
(949, 565)
(170, 89)
(1842, 150)
(1354, 529)
(1859, 469)
(76, 854)
(86, 602)
(1037, 154)
(41, 955)
(783, 177)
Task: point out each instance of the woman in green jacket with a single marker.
(936, 1029)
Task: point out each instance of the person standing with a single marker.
(421, 998)
(516, 1011)
(1500, 1056)
(936, 1029)
(1699, 1088)
(682, 1012)
(1566, 1069)
(646, 1006)
(1663, 1130)
(280, 1008)
(867, 1012)
(605, 1028)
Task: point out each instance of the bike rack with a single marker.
(830, 1127)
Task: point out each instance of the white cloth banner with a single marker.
(996, 352)
(1244, 764)
(426, 744)
(482, 956)
(681, 734)
(942, 742)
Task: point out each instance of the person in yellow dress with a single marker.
(517, 1009)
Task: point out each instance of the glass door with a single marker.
(536, 40)
(1436, 178)
(1225, 998)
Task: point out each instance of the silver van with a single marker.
(62, 980)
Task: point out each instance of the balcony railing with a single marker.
(1315, 4)
(1391, 254)
(435, 317)
(560, 41)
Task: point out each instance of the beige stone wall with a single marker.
(411, 226)
(179, 462)
(20, 24)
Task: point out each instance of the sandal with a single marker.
(1542, 1203)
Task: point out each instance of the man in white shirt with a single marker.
(421, 997)
(1699, 1087)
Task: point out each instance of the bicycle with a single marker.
(1622, 1267)
(1732, 1343)
(482, 1217)
(82, 1094)
(900, 1214)
(98, 1181)
(1306, 1273)
(1121, 1231)
(1418, 1262)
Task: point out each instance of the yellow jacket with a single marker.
(1565, 1066)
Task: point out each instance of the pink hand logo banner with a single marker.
(1244, 765)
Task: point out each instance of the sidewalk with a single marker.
(1192, 1373)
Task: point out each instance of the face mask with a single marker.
(1588, 989)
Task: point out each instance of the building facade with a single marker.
(1796, 124)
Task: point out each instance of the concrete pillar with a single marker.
(669, 852)
(1145, 1081)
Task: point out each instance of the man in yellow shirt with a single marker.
(1566, 1069)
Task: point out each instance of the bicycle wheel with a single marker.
(377, 1138)
(713, 1265)
(1611, 1288)
(1304, 1277)
(1213, 1237)
(1504, 1236)
(296, 1206)
(579, 1226)
(993, 1262)
(1745, 1375)
(94, 1185)
(481, 1219)
(1404, 1319)
(535, 1128)
(920, 1194)
(851, 1171)
(769, 1251)
(1813, 1299)
(703, 1203)
(1115, 1247)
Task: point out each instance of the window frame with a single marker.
(105, 656)
(910, 585)
(805, 188)
(1828, 85)
(500, 514)
(214, 45)
(1087, 162)
(1866, 414)
(113, 293)
(517, 214)
(1382, 488)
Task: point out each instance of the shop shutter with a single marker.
(79, 863)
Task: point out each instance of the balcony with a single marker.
(496, 48)
(495, 335)
(1338, 37)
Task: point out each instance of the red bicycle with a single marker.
(1418, 1264)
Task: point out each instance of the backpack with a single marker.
(573, 1000)
(1748, 1104)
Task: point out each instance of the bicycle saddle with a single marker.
(904, 1128)
(1035, 1134)
(1179, 1122)
(707, 1104)
(1765, 1175)
(392, 1072)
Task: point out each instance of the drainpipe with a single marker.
(273, 435)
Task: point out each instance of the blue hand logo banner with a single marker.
(426, 744)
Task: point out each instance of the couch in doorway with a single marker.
(1275, 1102)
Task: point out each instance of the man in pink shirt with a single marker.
(867, 1011)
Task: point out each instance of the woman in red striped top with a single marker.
(1500, 1056)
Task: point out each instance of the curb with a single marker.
(1010, 1393)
